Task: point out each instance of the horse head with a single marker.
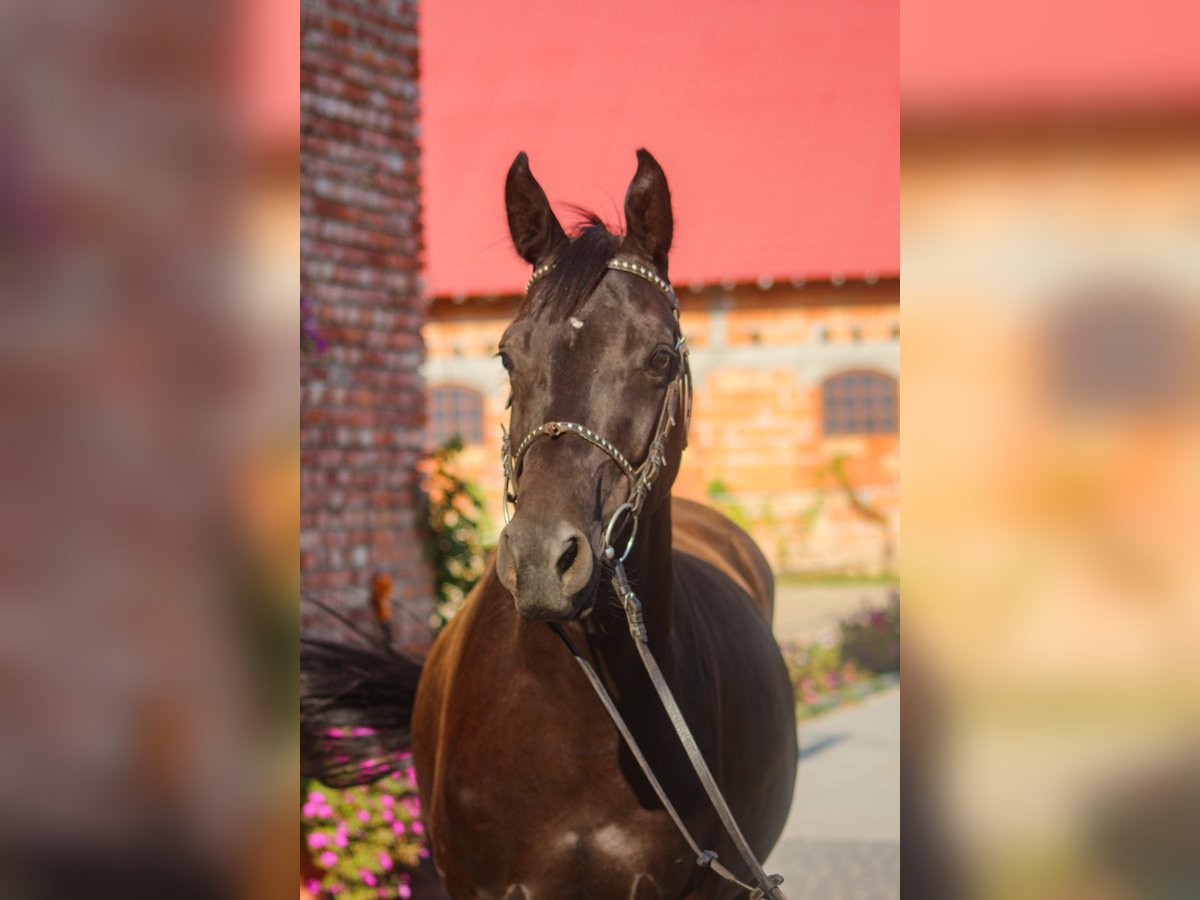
(598, 391)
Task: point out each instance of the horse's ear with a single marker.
(648, 220)
(535, 230)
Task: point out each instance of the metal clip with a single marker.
(769, 890)
(629, 600)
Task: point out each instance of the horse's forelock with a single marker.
(577, 271)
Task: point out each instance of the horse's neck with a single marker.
(652, 573)
(650, 569)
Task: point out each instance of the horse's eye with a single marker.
(505, 361)
(661, 360)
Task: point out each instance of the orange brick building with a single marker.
(763, 361)
(786, 258)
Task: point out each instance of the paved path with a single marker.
(842, 840)
(803, 611)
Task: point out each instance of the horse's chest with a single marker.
(554, 816)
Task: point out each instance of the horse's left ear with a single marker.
(648, 220)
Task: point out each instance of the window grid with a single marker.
(860, 403)
(455, 411)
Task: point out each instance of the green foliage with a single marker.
(872, 639)
(456, 521)
(722, 500)
(364, 840)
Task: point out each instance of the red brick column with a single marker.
(362, 406)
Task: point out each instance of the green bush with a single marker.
(456, 521)
(871, 639)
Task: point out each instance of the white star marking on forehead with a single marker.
(575, 323)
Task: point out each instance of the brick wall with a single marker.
(759, 358)
(362, 402)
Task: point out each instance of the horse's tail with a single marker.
(356, 703)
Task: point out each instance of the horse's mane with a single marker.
(578, 268)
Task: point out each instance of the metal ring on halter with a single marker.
(609, 550)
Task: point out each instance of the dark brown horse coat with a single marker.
(527, 788)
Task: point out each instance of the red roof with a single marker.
(1030, 57)
(778, 128)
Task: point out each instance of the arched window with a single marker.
(455, 410)
(859, 403)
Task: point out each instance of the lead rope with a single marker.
(768, 885)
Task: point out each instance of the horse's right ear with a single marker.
(534, 228)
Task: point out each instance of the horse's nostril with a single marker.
(568, 558)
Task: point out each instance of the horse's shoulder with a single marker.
(705, 534)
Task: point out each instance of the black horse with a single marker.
(527, 788)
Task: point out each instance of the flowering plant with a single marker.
(830, 671)
(365, 839)
(819, 675)
(872, 638)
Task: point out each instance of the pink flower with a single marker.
(387, 800)
(388, 815)
(368, 877)
(423, 853)
(318, 839)
(341, 839)
(364, 816)
(316, 797)
(386, 862)
(324, 811)
(362, 731)
(312, 886)
(398, 828)
(404, 892)
(308, 810)
(336, 733)
(328, 859)
(418, 828)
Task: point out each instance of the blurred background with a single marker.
(148, 246)
(150, 232)
(1051, 290)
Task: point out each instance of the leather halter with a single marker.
(641, 478)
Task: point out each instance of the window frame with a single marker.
(868, 408)
(437, 413)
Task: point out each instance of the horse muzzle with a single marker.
(549, 568)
